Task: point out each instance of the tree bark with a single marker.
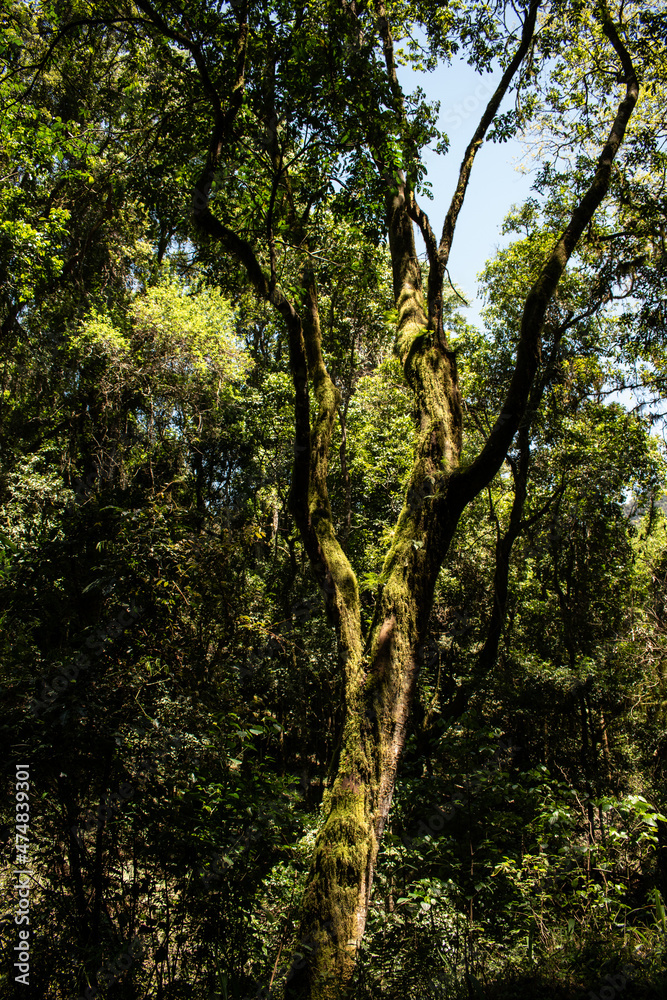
(380, 689)
(380, 676)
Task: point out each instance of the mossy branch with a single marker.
(482, 470)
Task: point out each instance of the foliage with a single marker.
(167, 665)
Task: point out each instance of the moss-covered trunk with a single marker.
(380, 686)
(338, 894)
(380, 677)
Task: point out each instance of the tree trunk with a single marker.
(380, 677)
(380, 686)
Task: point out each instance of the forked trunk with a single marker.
(379, 689)
(380, 680)
(338, 894)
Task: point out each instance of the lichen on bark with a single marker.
(379, 678)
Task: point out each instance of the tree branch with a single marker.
(484, 467)
(437, 270)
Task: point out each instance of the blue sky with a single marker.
(495, 184)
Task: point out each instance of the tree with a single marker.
(288, 123)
